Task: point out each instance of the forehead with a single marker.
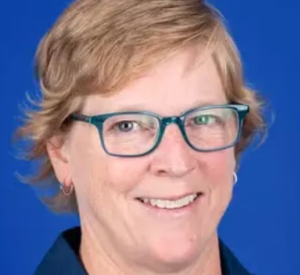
(183, 81)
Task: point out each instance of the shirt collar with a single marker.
(63, 257)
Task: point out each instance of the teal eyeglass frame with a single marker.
(98, 121)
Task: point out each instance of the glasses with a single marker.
(138, 133)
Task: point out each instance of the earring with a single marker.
(235, 178)
(67, 191)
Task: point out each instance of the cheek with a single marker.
(219, 171)
(96, 174)
(220, 167)
(124, 174)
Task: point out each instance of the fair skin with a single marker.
(119, 234)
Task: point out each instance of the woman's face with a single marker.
(109, 188)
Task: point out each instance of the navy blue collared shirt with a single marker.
(63, 257)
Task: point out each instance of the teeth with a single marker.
(168, 204)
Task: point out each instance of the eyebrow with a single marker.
(196, 104)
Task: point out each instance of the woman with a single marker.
(143, 117)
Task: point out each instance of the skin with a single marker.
(119, 236)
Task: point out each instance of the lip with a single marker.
(164, 213)
(171, 197)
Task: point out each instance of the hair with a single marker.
(99, 46)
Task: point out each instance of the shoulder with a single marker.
(62, 258)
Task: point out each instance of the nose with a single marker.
(173, 157)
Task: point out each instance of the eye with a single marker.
(125, 126)
(204, 119)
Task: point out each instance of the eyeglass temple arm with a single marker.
(80, 117)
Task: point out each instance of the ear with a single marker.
(58, 154)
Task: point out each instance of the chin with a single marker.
(177, 252)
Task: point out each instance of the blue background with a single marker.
(262, 225)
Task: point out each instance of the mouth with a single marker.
(171, 204)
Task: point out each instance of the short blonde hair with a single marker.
(99, 46)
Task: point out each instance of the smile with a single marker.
(171, 204)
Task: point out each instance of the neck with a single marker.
(98, 258)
